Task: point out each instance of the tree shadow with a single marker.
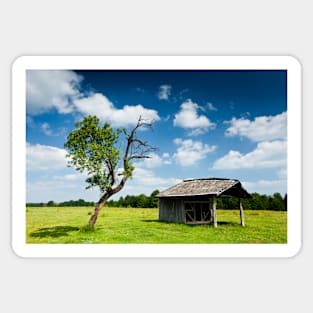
(54, 232)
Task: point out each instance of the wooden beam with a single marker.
(214, 212)
(242, 216)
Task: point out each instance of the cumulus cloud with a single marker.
(60, 90)
(267, 154)
(60, 188)
(100, 105)
(188, 118)
(189, 152)
(266, 186)
(262, 128)
(145, 177)
(42, 158)
(155, 160)
(47, 89)
(164, 92)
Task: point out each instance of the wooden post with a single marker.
(214, 212)
(242, 216)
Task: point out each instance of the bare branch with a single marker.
(135, 149)
(139, 157)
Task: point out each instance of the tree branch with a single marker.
(135, 149)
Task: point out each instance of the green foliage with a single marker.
(257, 202)
(70, 203)
(92, 149)
(128, 170)
(140, 201)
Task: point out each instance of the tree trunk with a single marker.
(94, 216)
(242, 216)
(104, 198)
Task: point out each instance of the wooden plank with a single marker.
(196, 201)
(214, 212)
(242, 216)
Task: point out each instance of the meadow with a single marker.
(129, 225)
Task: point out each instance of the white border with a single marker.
(155, 62)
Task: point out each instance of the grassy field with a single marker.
(121, 225)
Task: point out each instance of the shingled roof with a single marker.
(206, 186)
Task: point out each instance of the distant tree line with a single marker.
(140, 201)
(258, 202)
(71, 203)
(274, 202)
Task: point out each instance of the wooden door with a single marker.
(197, 212)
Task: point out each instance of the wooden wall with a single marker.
(171, 210)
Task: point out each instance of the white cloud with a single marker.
(60, 185)
(197, 132)
(144, 177)
(99, 105)
(266, 155)
(189, 118)
(164, 92)
(42, 158)
(211, 107)
(266, 186)
(261, 129)
(155, 160)
(189, 152)
(145, 181)
(47, 89)
(60, 188)
(282, 173)
(46, 129)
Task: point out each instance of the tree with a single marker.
(154, 201)
(278, 202)
(95, 149)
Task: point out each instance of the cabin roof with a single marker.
(206, 186)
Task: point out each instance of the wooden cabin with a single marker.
(193, 201)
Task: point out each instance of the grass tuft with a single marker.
(87, 229)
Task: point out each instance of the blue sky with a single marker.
(230, 124)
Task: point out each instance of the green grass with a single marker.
(121, 225)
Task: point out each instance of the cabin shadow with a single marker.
(224, 223)
(153, 221)
(220, 223)
(54, 232)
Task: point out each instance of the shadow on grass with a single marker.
(221, 223)
(228, 223)
(153, 221)
(55, 232)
